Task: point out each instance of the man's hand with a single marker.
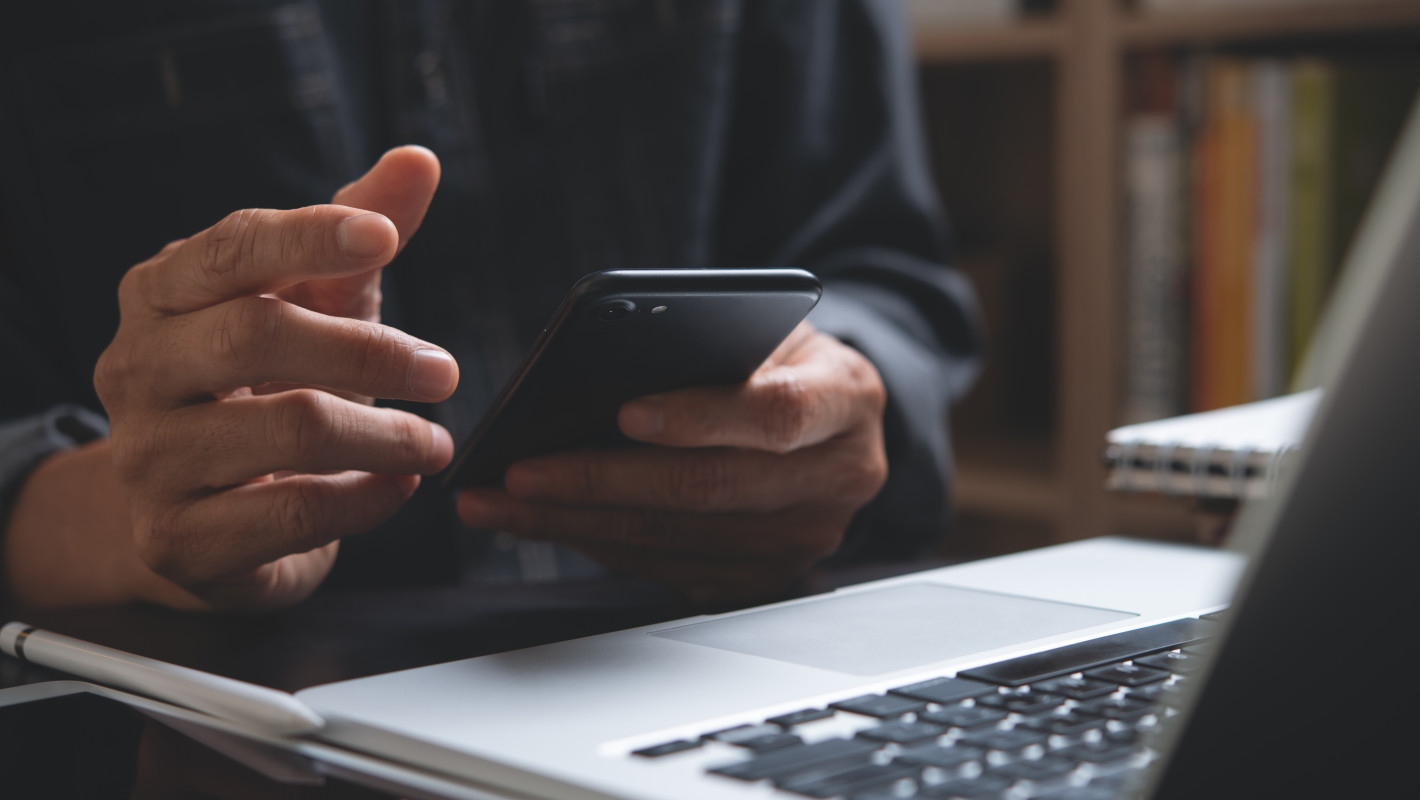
(747, 487)
(237, 386)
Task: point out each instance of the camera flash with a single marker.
(658, 309)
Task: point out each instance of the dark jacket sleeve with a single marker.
(829, 172)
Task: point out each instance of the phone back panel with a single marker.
(676, 329)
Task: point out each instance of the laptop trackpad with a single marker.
(896, 628)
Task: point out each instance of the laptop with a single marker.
(1095, 669)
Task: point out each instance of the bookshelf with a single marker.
(1034, 188)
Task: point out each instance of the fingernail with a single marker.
(432, 373)
(477, 510)
(363, 235)
(642, 419)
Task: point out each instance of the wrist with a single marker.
(69, 542)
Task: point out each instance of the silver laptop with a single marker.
(1095, 669)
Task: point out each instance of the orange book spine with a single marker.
(1226, 217)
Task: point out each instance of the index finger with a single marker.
(257, 251)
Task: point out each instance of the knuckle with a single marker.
(305, 424)
(133, 289)
(294, 243)
(248, 330)
(377, 353)
(163, 547)
(789, 408)
(138, 289)
(299, 516)
(227, 246)
(113, 373)
(411, 442)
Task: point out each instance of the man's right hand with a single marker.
(237, 387)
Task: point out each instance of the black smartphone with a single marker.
(623, 334)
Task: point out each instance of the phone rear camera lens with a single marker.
(615, 310)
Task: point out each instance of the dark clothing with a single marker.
(575, 135)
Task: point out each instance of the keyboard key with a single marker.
(903, 732)
(741, 733)
(1094, 653)
(1028, 703)
(1129, 736)
(773, 741)
(965, 717)
(1159, 693)
(800, 717)
(1100, 753)
(1037, 771)
(1128, 674)
(798, 758)
(1075, 688)
(933, 755)
(678, 746)
(1173, 661)
(945, 690)
(880, 705)
(755, 737)
(1202, 649)
(1126, 709)
(829, 782)
(1066, 723)
(1009, 741)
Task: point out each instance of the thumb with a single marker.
(400, 186)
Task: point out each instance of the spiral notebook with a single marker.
(1236, 452)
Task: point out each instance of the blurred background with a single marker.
(1153, 198)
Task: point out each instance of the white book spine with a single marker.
(1272, 96)
(1154, 346)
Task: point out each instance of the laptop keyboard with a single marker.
(1065, 724)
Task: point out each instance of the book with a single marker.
(1236, 452)
(1310, 217)
(1346, 116)
(1156, 263)
(1271, 362)
(1225, 219)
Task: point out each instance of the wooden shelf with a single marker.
(1044, 116)
(1138, 30)
(1008, 476)
(937, 44)
(1001, 492)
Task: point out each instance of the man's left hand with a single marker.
(745, 488)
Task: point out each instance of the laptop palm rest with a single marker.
(890, 629)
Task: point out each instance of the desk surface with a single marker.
(84, 746)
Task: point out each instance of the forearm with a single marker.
(68, 540)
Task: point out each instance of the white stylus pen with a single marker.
(232, 700)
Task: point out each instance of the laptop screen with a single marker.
(1303, 696)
